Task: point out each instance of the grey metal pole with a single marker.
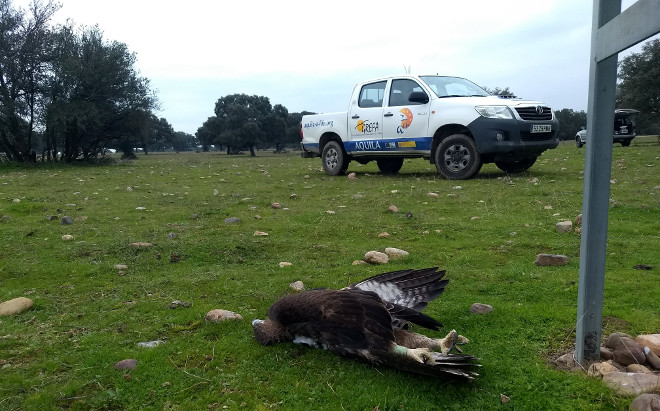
(595, 206)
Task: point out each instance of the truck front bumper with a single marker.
(513, 138)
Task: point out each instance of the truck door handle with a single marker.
(355, 116)
(388, 115)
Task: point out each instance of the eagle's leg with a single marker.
(445, 345)
(422, 355)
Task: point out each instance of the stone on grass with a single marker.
(128, 364)
(600, 369)
(67, 237)
(172, 235)
(643, 267)
(393, 209)
(650, 340)
(150, 344)
(376, 257)
(578, 220)
(564, 226)
(141, 244)
(260, 234)
(628, 383)
(396, 253)
(566, 361)
(177, 303)
(66, 220)
(285, 264)
(646, 402)
(218, 315)
(551, 259)
(358, 262)
(297, 286)
(52, 217)
(352, 176)
(383, 235)
(479, 308)
(276, 206)
(433, 195)
(121, 267)
(15, 306)
(504, 399)
(626, 350)
(232, 220)
(81, 218)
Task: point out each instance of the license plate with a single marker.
(541, 128)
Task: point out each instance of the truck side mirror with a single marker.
(418, 97)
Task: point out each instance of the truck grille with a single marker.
(532, 113)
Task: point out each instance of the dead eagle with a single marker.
(369, 321)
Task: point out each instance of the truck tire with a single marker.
(334, 159)
(457, 158)
(578, 142)
(625, 143)
(515, 167)
(390, 165)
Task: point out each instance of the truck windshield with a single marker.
(453, 87)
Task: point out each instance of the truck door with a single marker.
(405, 122)
(365, 118)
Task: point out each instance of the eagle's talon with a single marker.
(422, 355)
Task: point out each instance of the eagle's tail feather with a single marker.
(456, 366)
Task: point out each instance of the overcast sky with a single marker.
(307, 55)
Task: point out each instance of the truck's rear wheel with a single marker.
(457, 157)
(515, 167)
(334, 159)
(390, 165)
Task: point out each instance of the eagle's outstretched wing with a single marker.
(408, 288)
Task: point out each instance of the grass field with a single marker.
(86, 317)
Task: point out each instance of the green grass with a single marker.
(86, 317)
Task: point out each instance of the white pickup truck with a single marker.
(448, 120)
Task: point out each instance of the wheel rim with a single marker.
(331, 158)
(457, 157)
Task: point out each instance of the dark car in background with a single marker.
(624, 128)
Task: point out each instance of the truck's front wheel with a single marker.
(334, 159)
(457, 157)
(390, 165)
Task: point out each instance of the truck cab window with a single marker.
(400, 91)
(372, 95)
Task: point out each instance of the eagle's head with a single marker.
(267, 332)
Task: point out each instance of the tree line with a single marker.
(68, 94)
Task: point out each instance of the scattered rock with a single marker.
(504, 398)
(396, 253)
(121, 267)
(646, 402)
(194, 216)
(564, 226)
(458, 187)
(52, 217)
(393, 209)
(578, 220)
(548, 207)
(129, 364)
(551, 259)
(16, 200)
(475, 218)
(600, 369)
(285, 264)
(66, 220)
(643, 267)
(638, 368)
(218, 315)
(352, 176)
(141, 208)
(141, 244)
(566, 361)
(150, 344)
(606, 354)
(177, 303)
(175, 258)
(276, 206)
(409, 215)
(479, 308)
(297, 286)
(649, 340)
(257, 217)
(67, 237)
(433, 195)
(81, 218)
(358, 262)
(329, 212)
(626, 350)
(627, 383)
(232, 220)
(260, 234)
(172, 235)
(15, 306)
(129, 189)
(383, 235)
(376, 257)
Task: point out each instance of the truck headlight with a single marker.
(502, 112)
